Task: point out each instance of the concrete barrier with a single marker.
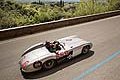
(30, 29)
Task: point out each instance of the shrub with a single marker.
(14, 14)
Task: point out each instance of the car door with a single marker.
(76, 51)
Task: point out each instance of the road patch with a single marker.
(95, 67)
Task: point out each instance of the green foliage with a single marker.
(61, 3)
(14, 14)
(6, 20)
(39, 2)
(117, 6)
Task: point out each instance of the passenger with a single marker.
(50, 46)
(47, 44)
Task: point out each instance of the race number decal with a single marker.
(62, 54)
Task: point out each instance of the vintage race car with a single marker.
(47, 54)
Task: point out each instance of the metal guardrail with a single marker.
(30, 29)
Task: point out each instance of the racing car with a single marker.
(47, 54)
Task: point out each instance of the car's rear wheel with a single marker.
(85, 49)
(49, 64)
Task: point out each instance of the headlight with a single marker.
(37, 64)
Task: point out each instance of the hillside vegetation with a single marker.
(13, 14)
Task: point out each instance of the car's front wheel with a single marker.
(85, 49)
(37, 65)
(49, 64)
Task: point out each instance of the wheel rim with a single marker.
(37, 65)
(85, 50)
(49, 64)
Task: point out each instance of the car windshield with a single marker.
(53, 46)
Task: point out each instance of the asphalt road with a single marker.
(99, 64)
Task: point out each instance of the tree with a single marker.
(1, 3)
(61, 3)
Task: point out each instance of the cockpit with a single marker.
(53, 46)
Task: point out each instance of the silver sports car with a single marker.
(47, 54)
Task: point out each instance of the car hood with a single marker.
(36, 54)
(72, 42)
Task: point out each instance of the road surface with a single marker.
(99, 64)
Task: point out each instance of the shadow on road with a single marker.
(60, 66)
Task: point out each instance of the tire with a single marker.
(85, 49)
(37, 65)
(22, 72)
(49, 64)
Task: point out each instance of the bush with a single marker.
(7, 23)
(14, 14)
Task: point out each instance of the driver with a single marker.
(56, 45)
